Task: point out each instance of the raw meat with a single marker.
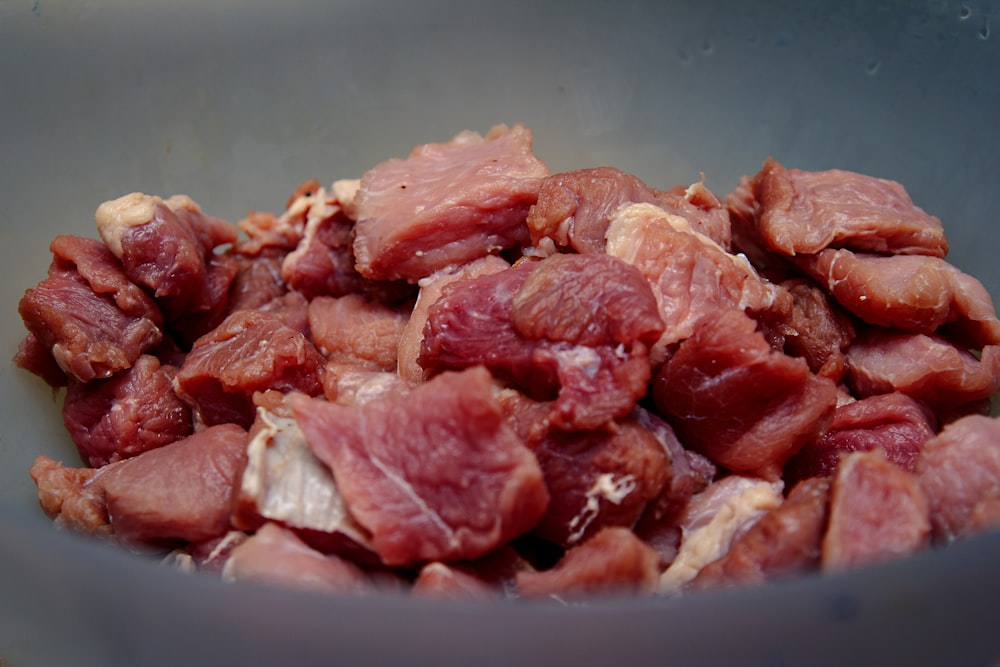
(353, 330)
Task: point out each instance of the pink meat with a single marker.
(180, 491)
(36, 358)
(804, 212)
(913, 293)
(612, 562)
(350, 384)
(783, 542)
(817, 330)
(446, 204)
(931, 369)
(435, 474)
(248, 352)
(473, 323)
(597, 479)
(894, 423)
(276, 556)
(132, 412)
(73, 497)
(738, 402)
(441, 581)
(878, 512)
(93, 321)
(959, 471)
(353, 329)
(167, 247)
(257, 281)
(691, 275)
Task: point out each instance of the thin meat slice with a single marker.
(447, 203)
(878, 512)
(691, 274)
(250, 351)
(804, 212)
(434, 474)
(352, 329)
(90, 318)
(929, 368)
(783, 542)
(894, 423)
(743, 405)
(959, 472)
(713, 519)
(430, 290)
(612, 562)
(275, 555)
(167, 246)
(912, 293)
(182, 491)
(132, 412)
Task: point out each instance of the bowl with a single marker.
(235, 103)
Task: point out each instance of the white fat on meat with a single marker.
(606, 487)
(285, 482)
(713, 519)
(116, 217)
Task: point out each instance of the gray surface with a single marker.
(236, 103)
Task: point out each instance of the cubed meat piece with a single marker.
(817, 330)
(878, 512)
(894, 423)
(71, 497)
(446, 203)
(127, 414)
(350, 384)
(959, 472)
(250, 351)
(354, 330)
(257, 281)
(612, 562)
(276, 556)
(87, 314)
(439, 580)
(732, 398)
(35, 358)
(805, 212)
(433, 474)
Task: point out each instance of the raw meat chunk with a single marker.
(817, 330)
(257, 282)
(434, 474)
(446, 204)
(275, 555)
(350, 384)
(574, 208)
(959, 472)
(353, 330)
(248, 352)
(35, 358)
(612, 562)
(785, 541)
(87, 313)
(134, 411)
(732, 398)
(182, 491)
(804, 212)
(894, 423)
(439, 580)
(878, 512)
(73, 497)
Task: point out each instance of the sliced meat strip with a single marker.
(878, 512)
(433, 474)
(447, 203)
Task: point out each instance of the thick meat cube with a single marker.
(817, 330)
(446, 203)
(248, 352)
(738, 402)
(434, 474)
(929, 368)
(93, 321)
(804, 212)
(691, 274)
(785, 541)
(353, 330)
(959, 471)
(439, 580)
(895, 423)
(73, 497)
(127, 414)
(257, 281)
(878, 512)
(574, 208)
(167, 246)
(35, 358)
(275, 555)
(180, 491)
(612, 562)
(911, 293)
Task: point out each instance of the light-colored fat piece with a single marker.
(116, 217)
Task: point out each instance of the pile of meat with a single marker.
(464, 375)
